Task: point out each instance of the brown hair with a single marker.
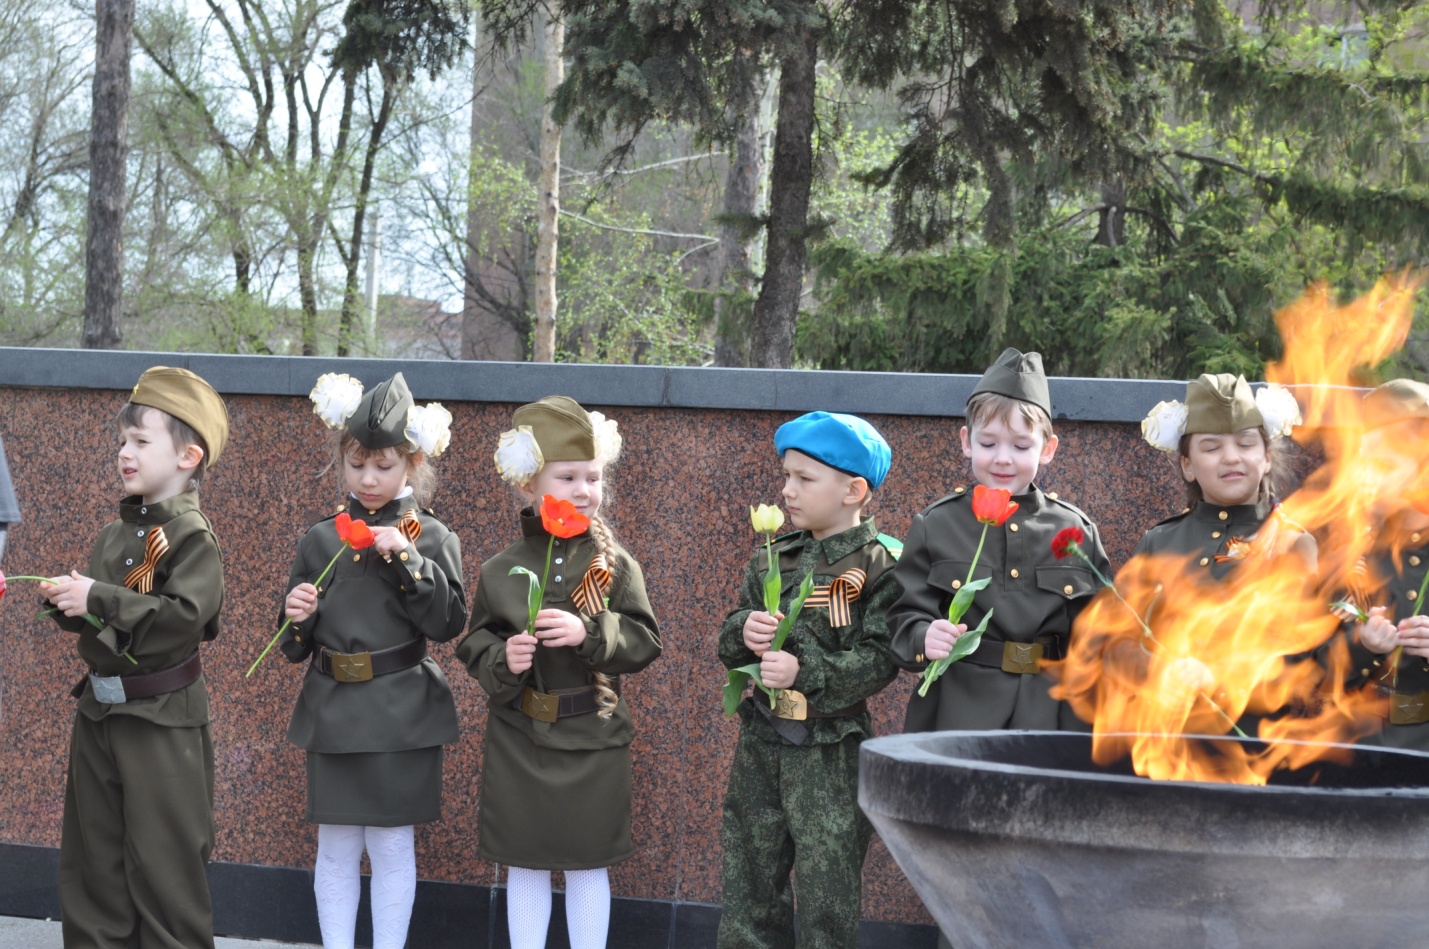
(183, 434)
(421, 476)
(988, 407)
(1269, 485)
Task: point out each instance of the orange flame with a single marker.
(1265, 631)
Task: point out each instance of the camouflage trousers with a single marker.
(792, 808)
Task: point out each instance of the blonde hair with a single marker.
(987, 407)
(421, 476)
(1269, 485)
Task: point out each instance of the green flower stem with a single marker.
(1147, 635)
(289, 621)
(93, 620)
(530, 613)
(1397, 657)
(938, 666)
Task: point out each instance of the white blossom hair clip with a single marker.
(335, 398)
(1164, 425)
(429, 428)
(518, 455)
(607, 437)
(1278, 410)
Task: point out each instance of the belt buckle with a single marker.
(108, 689)
(791, 704)
(542, 706)
(351, 667)
(1021, 658)
(1409, 709)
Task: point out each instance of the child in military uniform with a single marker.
(1033, 596)
(556, 772)
(138, 810)
(1387, 582)
(792, 801)
(375, 709)
(1225, 440)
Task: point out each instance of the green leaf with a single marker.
(1345, 606)
(533, 595)
(787, 623)
(773, 586)
(964, 598)
(734, 685)
(964, 647)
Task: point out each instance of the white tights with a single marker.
(528, 907)
(337, 882)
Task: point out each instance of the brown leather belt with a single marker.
(114, 690)
(562, 703)
(362, 666)
(1019, 658)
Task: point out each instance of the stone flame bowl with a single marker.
(1016, 839)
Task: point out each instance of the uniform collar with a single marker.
(1031, 502)
(392, 509)
(531, 525)
(135, 511)
(838, 546)
(1236, 515)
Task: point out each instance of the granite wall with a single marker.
(698, 450)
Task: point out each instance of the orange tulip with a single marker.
(561, 519)
(992, 506)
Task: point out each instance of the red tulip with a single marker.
(1066, 539)
(993, 506)
(355, 534)
(2, 585)
(561, 519)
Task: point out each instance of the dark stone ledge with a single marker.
(779, 390)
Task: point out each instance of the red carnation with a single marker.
(1067, 539)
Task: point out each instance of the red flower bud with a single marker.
(355, 534)
(992, 506)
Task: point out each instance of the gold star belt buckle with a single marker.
(1021, 658)
(792, 705)
(541, 706)
(352, 667)
(1409, 709)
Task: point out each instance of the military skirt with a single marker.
(375, 789)
(548, 809)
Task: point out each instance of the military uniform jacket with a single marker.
(1217, 538)
(1033, 598)
(160, 628)
(367, 604)
(1393, 581)
(838, 666)
(622, 638)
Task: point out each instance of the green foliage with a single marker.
(402, 36)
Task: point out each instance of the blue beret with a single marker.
(845, 442)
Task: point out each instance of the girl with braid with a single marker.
(556, 775)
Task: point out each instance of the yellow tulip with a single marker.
(766, 518)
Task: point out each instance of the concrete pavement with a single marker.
(17, 933)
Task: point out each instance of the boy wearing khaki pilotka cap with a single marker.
(1033, 597)
(138, 810)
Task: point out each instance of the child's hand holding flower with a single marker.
(778, 669)
(388, 541)
(70, 595)
(559, 628)
(759, 630)
(1413, 635)
(520, 653)
(938, 641)
(1378, 634)
(301, 603)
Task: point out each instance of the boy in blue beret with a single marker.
(792, 801)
